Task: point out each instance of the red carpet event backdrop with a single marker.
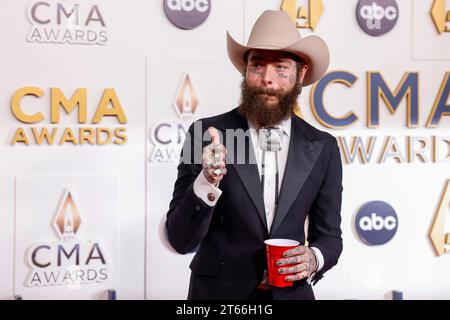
(96, 99)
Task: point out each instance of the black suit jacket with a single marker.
(229, 238)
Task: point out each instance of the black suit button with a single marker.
(197, 207)
(211, 197)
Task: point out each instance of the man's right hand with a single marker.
(213, 159)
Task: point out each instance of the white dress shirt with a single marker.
(202, 186)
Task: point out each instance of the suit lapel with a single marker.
(302, 155)
(248, 170)
(250, 179)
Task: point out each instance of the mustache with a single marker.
(267, 91)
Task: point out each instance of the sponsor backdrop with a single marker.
(96, 97)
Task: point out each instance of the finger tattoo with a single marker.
(293, 260)
(309, 264)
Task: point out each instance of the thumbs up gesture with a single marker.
(213, 159)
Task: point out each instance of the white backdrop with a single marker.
(144, 61)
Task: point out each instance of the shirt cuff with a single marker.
(320, 263)
(206, 191)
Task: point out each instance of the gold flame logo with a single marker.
(438, 236)
(68, 218)
(304, 17)
(440, 16)
(186, 100)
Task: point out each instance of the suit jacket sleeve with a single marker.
(188, 217)
(324, 231)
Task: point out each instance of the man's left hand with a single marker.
(302, 261)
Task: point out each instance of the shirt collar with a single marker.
(286, 124)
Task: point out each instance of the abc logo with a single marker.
(376, 17)
(187, 14)
(376, 223)
(188, 5)
(376, 12)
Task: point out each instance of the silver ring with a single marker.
(217, 172)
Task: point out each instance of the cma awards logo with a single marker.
(168, 137)
(187, 14)
(66, 22)
(68, 261)
(440, 16)
(377, 17)
(305, 16)
(439, 232)
(376, 223)
(109, 106)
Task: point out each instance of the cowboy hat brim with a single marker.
(311, 49)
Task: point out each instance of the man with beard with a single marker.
(258, 172)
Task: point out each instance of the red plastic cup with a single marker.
(275, 249)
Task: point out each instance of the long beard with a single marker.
(259, 113)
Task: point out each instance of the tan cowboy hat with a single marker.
(274, 30)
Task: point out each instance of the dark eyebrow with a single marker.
(255, 57)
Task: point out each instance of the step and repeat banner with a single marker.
(95, 101)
